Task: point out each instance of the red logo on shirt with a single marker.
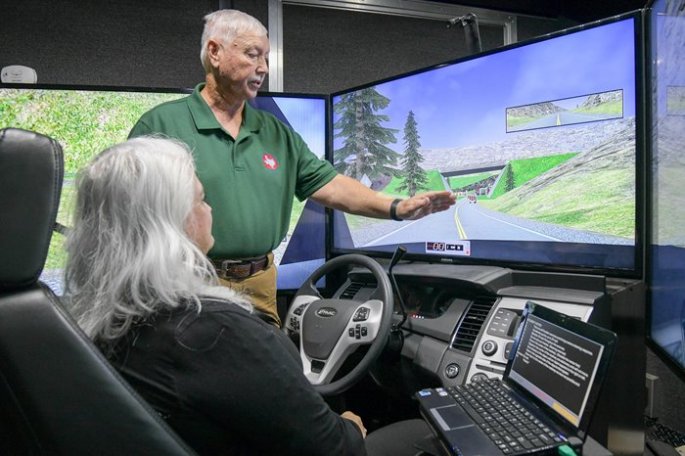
(269, 161)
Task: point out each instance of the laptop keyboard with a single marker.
(509, 425)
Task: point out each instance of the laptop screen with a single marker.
(557, 361)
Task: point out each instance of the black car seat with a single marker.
(58, 394)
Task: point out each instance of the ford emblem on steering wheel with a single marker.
(326, 312)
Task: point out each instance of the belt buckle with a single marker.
(226, 266)
(241, 269)
(225, 263)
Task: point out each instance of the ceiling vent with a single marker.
(471, 324)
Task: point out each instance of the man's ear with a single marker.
(213, 49)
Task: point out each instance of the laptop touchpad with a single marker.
(471, 442)
(451, 417)
(462, 433)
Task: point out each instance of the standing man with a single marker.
(251, 164)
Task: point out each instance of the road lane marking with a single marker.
(460, 229)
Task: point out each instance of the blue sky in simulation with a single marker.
(465, 103)
(307, 116)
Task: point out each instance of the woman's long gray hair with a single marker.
(128, 253)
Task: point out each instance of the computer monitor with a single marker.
(541, 141)
(304, 248)
(87, 119)
(666, 259)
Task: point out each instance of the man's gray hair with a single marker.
(225, 26)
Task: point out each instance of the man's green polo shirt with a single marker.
(249, 181)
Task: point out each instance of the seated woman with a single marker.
(140, 285)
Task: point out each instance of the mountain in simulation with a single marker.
(535, 110)
(600, 98)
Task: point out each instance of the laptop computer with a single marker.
(545, 399)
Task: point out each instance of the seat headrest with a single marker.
(31, 174)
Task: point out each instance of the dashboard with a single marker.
(458, 324)
(461, 320)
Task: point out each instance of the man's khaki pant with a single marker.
(260, 288)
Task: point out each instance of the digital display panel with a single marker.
(304, 248)
(666, 262)
(87, 119)
(539, 141)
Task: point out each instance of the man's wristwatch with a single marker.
(393, 209)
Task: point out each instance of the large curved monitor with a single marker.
(87, 119)
(666, 271)
(540, 141)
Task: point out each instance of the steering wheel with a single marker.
(332, 329)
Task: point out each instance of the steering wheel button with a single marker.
(365, 331)
(300, 309)
(361, 314)
(351, 332)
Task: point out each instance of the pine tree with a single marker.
(364, 150)
(509, 182)
(415, 177)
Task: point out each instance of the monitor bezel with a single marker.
(95, 88)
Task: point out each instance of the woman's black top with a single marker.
(228, 383)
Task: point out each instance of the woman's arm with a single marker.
(253, 384)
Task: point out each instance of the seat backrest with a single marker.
(58, 394)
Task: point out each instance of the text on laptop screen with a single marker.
(556, 366)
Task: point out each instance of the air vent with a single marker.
(351, 290)
(471, 324)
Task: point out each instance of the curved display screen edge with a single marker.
(666, 253)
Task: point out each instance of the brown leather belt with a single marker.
(240, 269)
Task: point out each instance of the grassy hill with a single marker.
(526, 169)
(599, 199)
